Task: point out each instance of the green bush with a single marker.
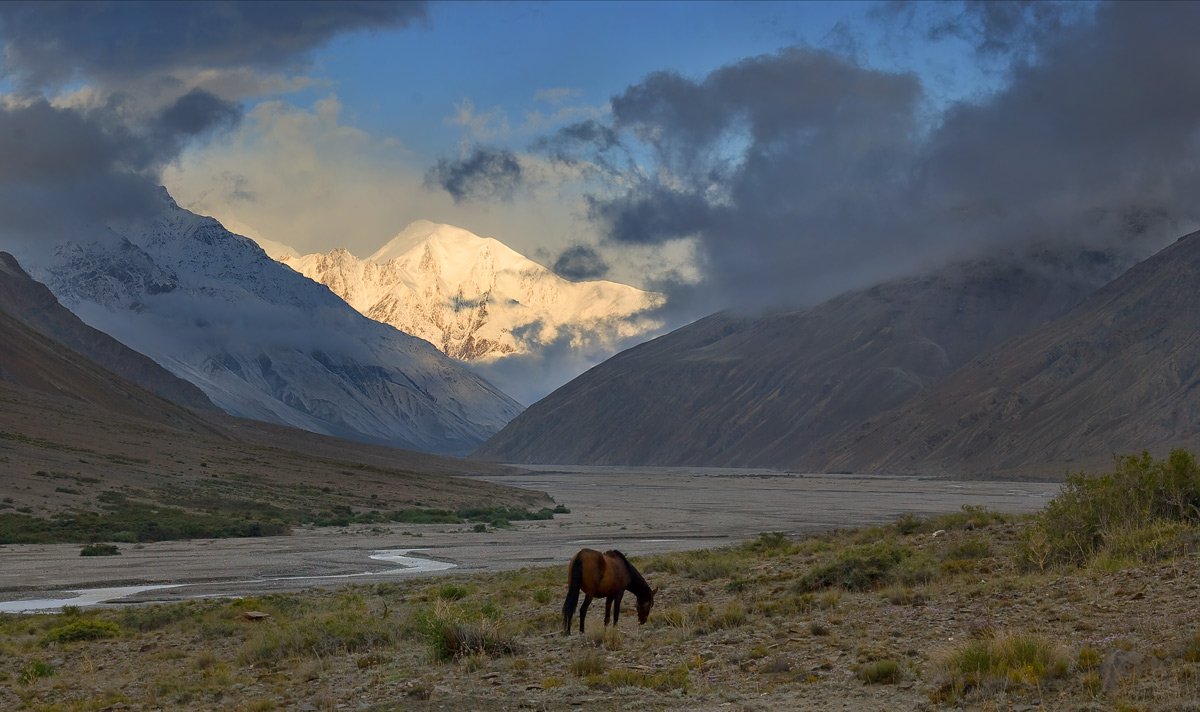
(1004, 661)
(82, 629)
(1129, 511)
(857, 568)
(452, 636)
(702, 565)
(590, 663)
(100, 550)
(452, 592)
(771, 544)
(36, 670)
(880, 672)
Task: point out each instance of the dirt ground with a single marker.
(642, 512)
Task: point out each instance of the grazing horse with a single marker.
(610, 575)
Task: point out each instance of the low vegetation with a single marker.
(949, 612)
(143, 517)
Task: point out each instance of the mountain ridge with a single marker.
(475, 298)
(1117, 374)
(762, 391)
(262, 341)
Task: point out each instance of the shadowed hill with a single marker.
(1119, 373)
(71, 431)
(29, 302)
(741, 391)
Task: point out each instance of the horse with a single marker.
(610, 575)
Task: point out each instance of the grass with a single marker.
(1013, 659)
(1144, 510)
(140, 517)
(880, 672)
(857, 568)
(81, 629)
(872, 615)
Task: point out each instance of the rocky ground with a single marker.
(921, 614)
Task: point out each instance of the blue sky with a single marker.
(503, 75)
(729, 154)
(732, 156)
(501, 55)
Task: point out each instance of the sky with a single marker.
(342, 155)
(731, 155)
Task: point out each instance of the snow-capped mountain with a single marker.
(262, 341)
(475, 298)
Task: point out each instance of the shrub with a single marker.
(1003, 660)
(857, 568)
(1191, 649)
(100, 550)
(880, 672)
(339, 632)
(968, 518)
(590, 663)
(451, 635)
(1130, 511)
(732, 615)
(673, 679)
(704, 565)
(147, 618)
(36, 670)
(82, 629)
(452, 592)
(771, 544)
(968, 549)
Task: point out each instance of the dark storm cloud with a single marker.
(192, 115)
(485, 173)
(62, 165)
(50, 42)
(783, 167)
(802, 174)
(580, 262)
(995, 28)
(72, 168)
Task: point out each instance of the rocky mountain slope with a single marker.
(32, 305)
(765, 391)
(70, 428)
(474, 298)
(261, 341)
(1117, 374)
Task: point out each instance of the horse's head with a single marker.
(644, 605)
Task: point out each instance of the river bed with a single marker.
(638, 510)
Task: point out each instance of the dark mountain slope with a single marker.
(1117, 374)
(71, 430)
(30, 303)
(739, 391)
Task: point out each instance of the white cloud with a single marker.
(305, 178)
(491, 125)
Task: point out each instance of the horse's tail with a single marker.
(574, 581)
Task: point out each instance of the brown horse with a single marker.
(610, 575)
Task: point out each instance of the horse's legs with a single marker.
(607, 609)
(617, 607)
(568, 610)
(587, 601)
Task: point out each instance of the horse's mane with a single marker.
(637, 584)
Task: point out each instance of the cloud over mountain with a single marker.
(804, 173)
(55, 42)
(97, 152)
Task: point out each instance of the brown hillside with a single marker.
(70, 430)
(31, 303)
(1118, 374)
(730, 391)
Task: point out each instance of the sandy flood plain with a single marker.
(640, 511)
